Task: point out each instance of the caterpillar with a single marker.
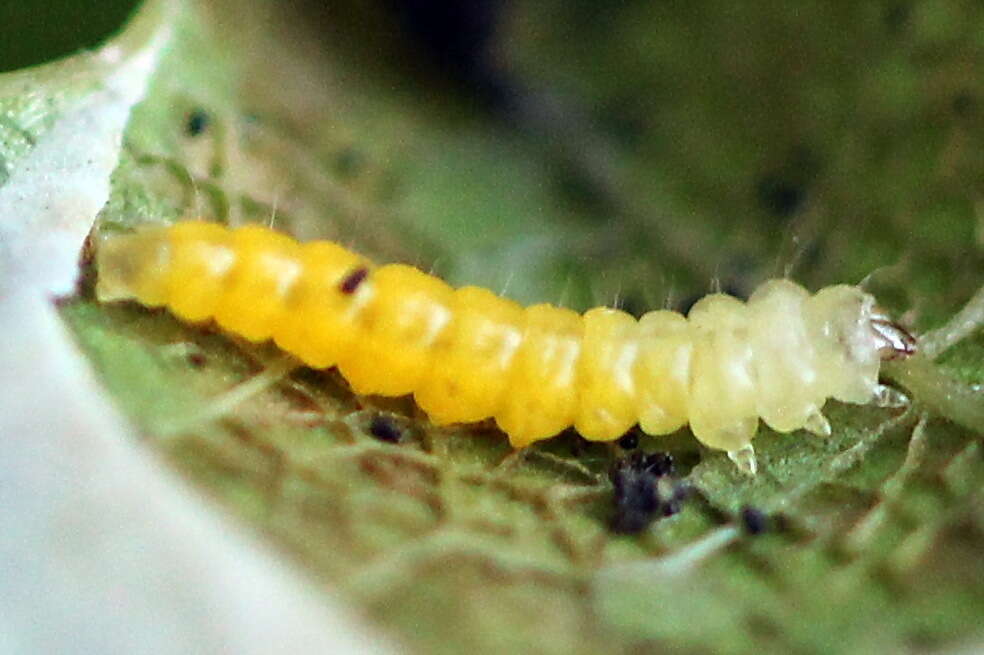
(468, 354)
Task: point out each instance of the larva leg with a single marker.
(816, 423)
(744, 459)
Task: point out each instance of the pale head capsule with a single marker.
(847, 338)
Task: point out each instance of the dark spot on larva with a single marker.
(755, 521)
(350, 283)
(196, 359)
(383, 428)
(197, 122)
(645, 490)
(629, 441)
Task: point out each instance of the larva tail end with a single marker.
(127, 266)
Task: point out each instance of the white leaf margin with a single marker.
(102, 548)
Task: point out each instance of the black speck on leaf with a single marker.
(645, 491)
(754, 520)
(629, 441)
(384, 429)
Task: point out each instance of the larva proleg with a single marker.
(467, 354)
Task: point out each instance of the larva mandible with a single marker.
(468, 354)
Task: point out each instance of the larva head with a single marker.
(852, 337)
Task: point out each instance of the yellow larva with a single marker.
(467, 354)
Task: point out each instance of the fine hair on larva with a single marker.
(467, 354)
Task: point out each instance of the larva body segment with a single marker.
(398, 329)
(786, 363)
(255, 289)
(319, 322)
(663, 372)
(723, 380)
(607, 404)
(542, 395)
(481, 340)
(467, 354)
(205, 254)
